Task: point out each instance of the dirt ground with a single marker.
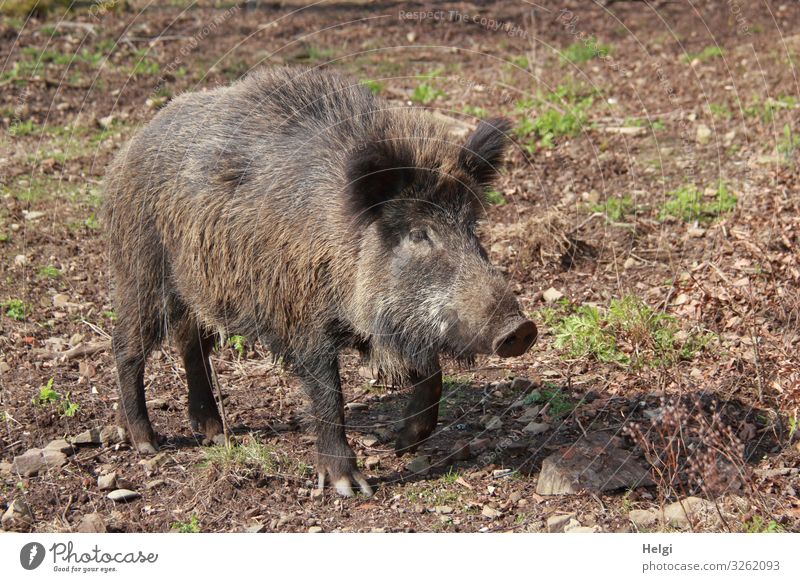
(617, 110)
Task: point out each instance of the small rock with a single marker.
(642, 518)
(420, 465)
(494, 423)
(256, 528)
(154, 484)
(60, 300)
(582, 528)
(18, 517)
(123, 495)
(61, 446)
(552, 295)
(112, 435)
(87, 437)
(4, 367)
(372, 462)
(521, 385)
(315, 529)
(680, 513)
(107, 482)
(515, 497)
(557, 523)
(86, 370)
(356, 406)
(32, 214)
(152, 464)
(75, 339)
(370, 440)
(529, 414)
(20, 261)
(629, 263)
(490, 512)
(105, 122)
(696, 232)
(703, 134)
(91, 523)
(594, 464)
(34, 461)
(158, 404)
(534, 428)
(443, 509)
(6, 469)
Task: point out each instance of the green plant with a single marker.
(69, 408)
(615, 209)
(375, 86)
(520, 61)
(689, 203)
(585, 50)
(563, 112)
(628, 333)
(21, 128)
(426, 94)
(191, 526)
(319, 54)
(238, 343)
(720, 110)
(475, 111)
(16, 309)
(757, 525)
(91, 222)
(47, 395)
(708, 53)
(111, 314)
(789, 143)
(559, 403)
(494, 197)
(50, 272)
(244, 460)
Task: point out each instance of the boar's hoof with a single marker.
(344, 486)
(147, 448)
(210, 427)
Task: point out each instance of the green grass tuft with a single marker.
(583, 51)
(688, 203)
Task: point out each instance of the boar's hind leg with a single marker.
(134, 337)
(422, 412)
(196, 343)
(335, 458)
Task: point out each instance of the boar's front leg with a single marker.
(422, 412)
(335, 458)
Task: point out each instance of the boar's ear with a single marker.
(483, 153)
(376, 172)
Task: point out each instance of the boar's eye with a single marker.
(418, 235)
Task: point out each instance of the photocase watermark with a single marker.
(65, 558)
(484, 22)
(742, 26)
(100, 8)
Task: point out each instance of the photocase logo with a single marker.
(31, 555)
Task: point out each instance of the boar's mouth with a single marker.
(515, 339)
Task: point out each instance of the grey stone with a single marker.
(152, 464)
(315, 529)
(443, 509)
(154, 484)
(593, 464)
(534, 428)
(370, 440)
(642, 518)
(494, 423)
(60, 445)
(521, 385)
(107, 482)
(529, 414)
(123, 495)
(35, 461)
(111, 435)
(256, 528)
(87, 437)
(557, 523)
(420, 465)
(490, 512)
(91, 523)
(681, 513)
(18, 516)
(551, 295)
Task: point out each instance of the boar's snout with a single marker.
(515, 339)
